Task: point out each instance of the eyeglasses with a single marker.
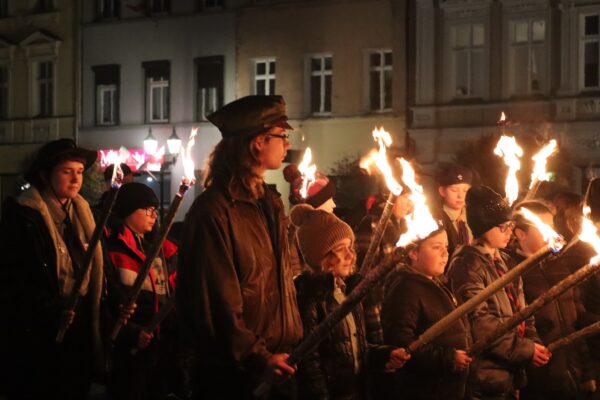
(150, 211)
(506, 227)
(284, 136)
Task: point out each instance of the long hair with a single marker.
(232, 163)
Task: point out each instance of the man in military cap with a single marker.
(235, 294)
(453, 182)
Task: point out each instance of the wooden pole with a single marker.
(569, 282)
(377, 235)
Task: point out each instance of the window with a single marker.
(467, 43)
(264, 76)
(3, 92)
(380, 80)
(210, 4)
(320, 84)
(45, 88)
(528, 49)
(3, 8)
(160, 6)
(107, 94)
(590, 46)
(109, 9)
(157, 75)
(209, 85)
(44, 6)
(107, 104)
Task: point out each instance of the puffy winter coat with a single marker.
(413, 303)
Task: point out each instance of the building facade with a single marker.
(39, 51)
(339, 64)
(159, 65)
(536, 60)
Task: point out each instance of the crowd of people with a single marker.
(244, 283)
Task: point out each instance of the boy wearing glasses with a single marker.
(139, 376)
(500, 371)
(235, 297)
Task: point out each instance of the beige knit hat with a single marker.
(318, 232)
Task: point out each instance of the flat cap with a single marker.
(250, 115)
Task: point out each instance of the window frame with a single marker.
(204, 5)
(267, 77)
(47, 110)
(470, 49)
(100, 90)
(381, 69)
(116, 9)
(4, 9)
(200, 111)
(164, 9)
(322, 74)
(583, 40)
(531, 45)
(165, 86)
(5, 86)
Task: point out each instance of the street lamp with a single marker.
(174, 144)
(173, 148)
(150, 143)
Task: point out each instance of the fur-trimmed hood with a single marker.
(32, 198)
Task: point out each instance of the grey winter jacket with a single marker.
(498, 371)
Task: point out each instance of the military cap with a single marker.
(250, 115)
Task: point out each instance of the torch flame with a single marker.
(502, 118)
(554, 240)
(589, 234)
(539, 170)
(378, 157)
(420, 222)
(308, 171)
(188, 162)
(508, 148)
(117, 176)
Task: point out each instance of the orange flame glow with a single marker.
(589, 234)
(420, 222)
(509, 150)
(502, 118)
(554, 240)
(307, 170)
(188, 162)
(379, 159)
(539, 170)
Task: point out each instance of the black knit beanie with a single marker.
(133, 196)
(485, 210)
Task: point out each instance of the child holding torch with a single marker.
(141, 375)
(416, 297)
(500, 371)
(338, 368)
(44, 237)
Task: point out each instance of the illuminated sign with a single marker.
(135, 160)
